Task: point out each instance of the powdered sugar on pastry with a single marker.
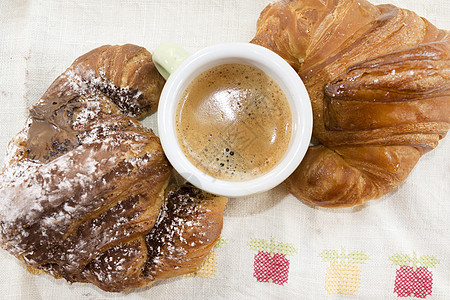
(84, 182)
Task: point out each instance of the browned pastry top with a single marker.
(83, 193)
(379, 81)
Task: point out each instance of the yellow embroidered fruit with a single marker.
(342, 278)
(343, 273)
(208, 267)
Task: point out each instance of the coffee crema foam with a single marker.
(233, 122)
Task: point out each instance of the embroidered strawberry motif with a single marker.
(271, 267)
(270, 262)
(343, 273)
(413, 278)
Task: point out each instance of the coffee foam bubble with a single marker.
(234, 122)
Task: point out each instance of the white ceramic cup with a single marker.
(181, 68)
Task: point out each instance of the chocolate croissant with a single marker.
(84, 190)
(379, 82)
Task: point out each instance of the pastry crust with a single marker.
(378, 77)
(83, 192)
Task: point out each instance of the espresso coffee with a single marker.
(234, 122)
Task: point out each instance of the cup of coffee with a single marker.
(234, 119)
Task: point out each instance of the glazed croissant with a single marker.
(84, 191)
(379, 82)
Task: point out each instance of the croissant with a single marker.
(84, 192)
(379, 82)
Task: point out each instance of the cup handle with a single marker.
(167, 57)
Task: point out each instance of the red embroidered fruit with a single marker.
(413, 278)
(416, 283)
(271, 268)
(271, 264)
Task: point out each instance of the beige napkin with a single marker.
(272, 246)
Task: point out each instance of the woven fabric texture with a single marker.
(273, 246)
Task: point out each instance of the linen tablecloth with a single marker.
(272, 245)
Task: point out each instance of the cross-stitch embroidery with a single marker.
(413, 278)
(343, 273)
(271, 264)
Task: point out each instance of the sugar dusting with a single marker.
(183, 225)
(86, 83)
(40, 202)
(26, 186)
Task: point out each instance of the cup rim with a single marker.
(274, 66)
